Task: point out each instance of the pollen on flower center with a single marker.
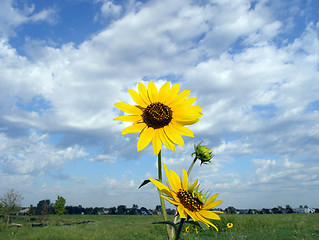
(188, 201)
(157, 115)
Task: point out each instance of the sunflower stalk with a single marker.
(160, 178)
(179, 230)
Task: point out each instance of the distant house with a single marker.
(24, 211)
(304, 210)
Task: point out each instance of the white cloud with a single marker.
(255, 93)
(12, 17)
(33, 155)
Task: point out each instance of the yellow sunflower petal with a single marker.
(129, 118)
(212, 205)
(181, 211)
(160, 186)
(157, 143)
(137, 98)
(170, 200)
(176, 180)
(180, 98)
(164, 92)
(212, 199)
(145, 138)
(202, 219)
(134, 128)
(173, 136)
(172, 93)
(186, 121)
(193, 185)
(152, 92)
(209, 214)
(182, 130)
(168, 143)
(143, 93)
(128, 108)
(185, 179)
(171, 179)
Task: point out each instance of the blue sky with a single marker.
(252, 65)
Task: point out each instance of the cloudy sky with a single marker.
(252, 65)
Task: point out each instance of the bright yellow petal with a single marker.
(181, 211)
(173, 136)
(134, 128)
(185, 179)
(160, 186)
(157, 143)
(137, 98)
(171, 200)
(172, 93)
(152, 92)
(164, 92)
(176, 180)
(180, 98)
(209, 214)
(168, 143)
(129, 118)
(143, 93)
(212, 205)
(172, 182)
(186, 121)
(212, 199)
(145, 138)
(202, 219)
(128, 108)
(182, 130)
(193, 185)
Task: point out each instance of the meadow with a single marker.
(128, 227)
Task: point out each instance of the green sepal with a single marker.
(167, 222)
(144, 183)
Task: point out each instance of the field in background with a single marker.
(274, 226)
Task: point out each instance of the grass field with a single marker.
(287, 226)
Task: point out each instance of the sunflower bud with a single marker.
(203, 153)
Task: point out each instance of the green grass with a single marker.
(288, 226)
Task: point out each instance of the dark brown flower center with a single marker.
(193, 204)
(157, 115)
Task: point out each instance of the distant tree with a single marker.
(112, 210)
(31, 211)
(44, 207)
(276, 210)
(265, 211)
(316, 210)
(133, 210)
(230, 210)
(11, 203)
(59, 206)
(121, 210)
(289, 209)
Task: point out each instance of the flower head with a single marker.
(189, 200)
(160, 116)
(203, 153)
(230, 225)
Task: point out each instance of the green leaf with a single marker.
(167, 222)
(203, 226)
(144, 183)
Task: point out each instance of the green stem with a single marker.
(160, 178)
(179, 230)
(191, 166)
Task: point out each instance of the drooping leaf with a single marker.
(144, 183)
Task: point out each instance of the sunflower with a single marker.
(230, 225)
(159, 116)
(189, 201)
